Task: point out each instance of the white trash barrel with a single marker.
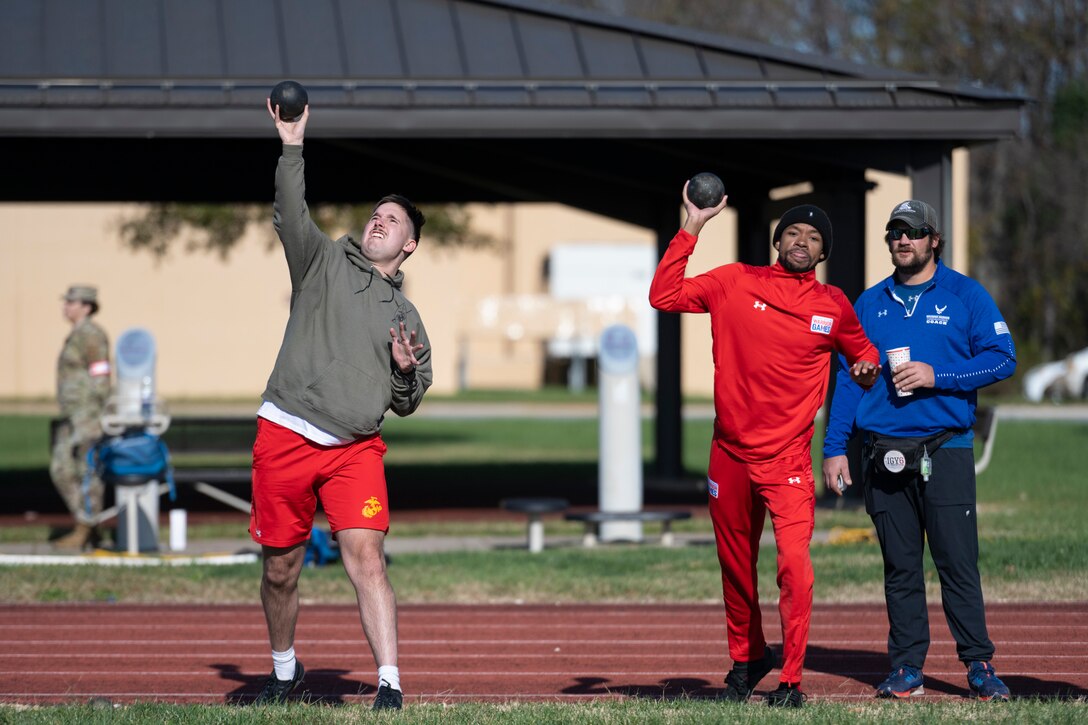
(620, 462)
(137, 517)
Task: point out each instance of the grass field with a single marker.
(630, 712)
(1032, 501)
(1030, 517)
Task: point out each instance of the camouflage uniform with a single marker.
(83, 386)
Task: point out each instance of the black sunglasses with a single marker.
(912, 233)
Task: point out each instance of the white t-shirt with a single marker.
(270, 411)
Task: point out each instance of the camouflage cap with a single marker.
(82, 293)
(916, 213)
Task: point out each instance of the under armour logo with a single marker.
(794, 479)
(940, 310)
(759, 305)
(882, 313)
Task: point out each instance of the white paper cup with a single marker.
(896, 357)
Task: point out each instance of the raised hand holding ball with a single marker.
(291, 98)
(705, 190)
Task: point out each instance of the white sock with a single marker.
(284, 663)
(390, 675)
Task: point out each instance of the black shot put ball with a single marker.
(705, 190)
(291, 97)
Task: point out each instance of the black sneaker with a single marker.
(786, 695)
(276, 692)
(388, 698)
(743, 678)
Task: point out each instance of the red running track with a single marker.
(216, 654)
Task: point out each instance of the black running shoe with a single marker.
(276, 692)
(743, 678)
(786, 695)
(388, 698)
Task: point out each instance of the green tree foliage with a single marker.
(1029, 232)
(206, 227)
(217, 228)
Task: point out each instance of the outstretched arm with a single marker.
(852, 342)
(696, 217)
(291, 132)
(301, 238)
(670, 291)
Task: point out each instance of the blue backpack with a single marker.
(320, 549)
(134, 457)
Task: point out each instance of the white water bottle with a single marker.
(147, 397)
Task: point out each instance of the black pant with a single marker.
(905, 510)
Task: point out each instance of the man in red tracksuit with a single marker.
(774, 328)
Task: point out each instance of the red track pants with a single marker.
(740, 495)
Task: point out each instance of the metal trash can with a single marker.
(137, 516)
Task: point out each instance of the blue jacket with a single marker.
(956, 328)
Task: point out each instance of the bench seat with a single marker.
(594, 519)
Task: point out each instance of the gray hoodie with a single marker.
(335, 368)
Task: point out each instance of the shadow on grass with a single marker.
(411, 487)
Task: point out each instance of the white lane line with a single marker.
(353, 644)
(413, 656)
(565, 674)
(307, 623)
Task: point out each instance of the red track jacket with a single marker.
(772, 330)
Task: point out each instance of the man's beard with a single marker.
(917, 264)
(796, 268)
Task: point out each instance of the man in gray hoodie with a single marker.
(353, 349)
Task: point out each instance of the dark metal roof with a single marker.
(465, 100)
(445, 68)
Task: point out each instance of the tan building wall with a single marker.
(218, 323)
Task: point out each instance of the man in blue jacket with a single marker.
(918, 461)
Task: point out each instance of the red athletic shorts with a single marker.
(290, 474)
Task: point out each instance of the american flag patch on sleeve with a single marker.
(1001, 328)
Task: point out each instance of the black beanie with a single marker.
(807, 214)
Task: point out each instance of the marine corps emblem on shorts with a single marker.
(372, 507)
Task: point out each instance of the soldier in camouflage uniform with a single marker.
(83, 385)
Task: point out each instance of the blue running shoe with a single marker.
(985, 684)
(902, 683)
